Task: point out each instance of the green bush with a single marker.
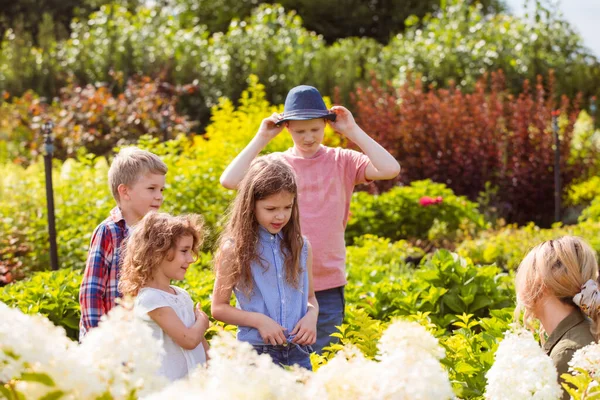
(460, 43)
(507, 246)
(470, 350)
(53, 294)
(443, 286)
(398, 214)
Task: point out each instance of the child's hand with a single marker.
(201, 316)
(271, 332)
(268, 130)
(306, 330)
(344, 121)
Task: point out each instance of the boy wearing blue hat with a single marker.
(326, 179)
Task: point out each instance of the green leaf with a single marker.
(53, 395)
(44, 379)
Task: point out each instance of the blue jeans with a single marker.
(331, 314)
(287, 354)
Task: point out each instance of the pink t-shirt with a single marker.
(325, 185)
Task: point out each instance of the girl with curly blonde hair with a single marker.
(265, 261)
(557, 284)
(159, 250)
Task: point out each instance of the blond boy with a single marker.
(137, 179)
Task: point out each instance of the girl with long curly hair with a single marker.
(161, 249)
(263, 258)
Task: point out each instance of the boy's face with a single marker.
(307, 135)
(145, 195)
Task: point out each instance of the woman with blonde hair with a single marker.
(557, 284)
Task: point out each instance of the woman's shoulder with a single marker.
(577, 337)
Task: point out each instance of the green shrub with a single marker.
(506, 247)
(53, 294)
(398, 214)
(443, 286)
(460, 43)
(470, 351)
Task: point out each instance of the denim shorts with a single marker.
(287, 354)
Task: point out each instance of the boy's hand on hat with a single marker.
(269, 128)
(344, 121)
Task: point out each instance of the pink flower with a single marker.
(427, 201)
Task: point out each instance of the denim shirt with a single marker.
(271, 294)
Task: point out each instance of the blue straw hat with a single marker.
(304, 102)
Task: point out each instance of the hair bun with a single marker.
(589, 298)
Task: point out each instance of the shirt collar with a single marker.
(117, 216)
(265, 235)
(575, 318)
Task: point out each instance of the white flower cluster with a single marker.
(119, 358)
(588, 359)
(123, 354)
(235, 371)
(408, 368)
(522, 371)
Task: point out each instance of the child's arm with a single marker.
(236, 170)
(95, 278)
(270, 331)
(306, 329)
(206, 347)
(382, 164)
(187, 338)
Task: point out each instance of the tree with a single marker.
(333, 19)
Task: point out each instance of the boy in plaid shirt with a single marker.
(137, 179)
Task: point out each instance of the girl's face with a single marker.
(176, 264)
(274, 212)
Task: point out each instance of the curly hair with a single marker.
(153, 239)
(267, 176)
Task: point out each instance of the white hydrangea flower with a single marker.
(402, 334)
(123, 354)
(235, 370)
(32, 344)
(408, 368)
(522, 371)
(348, 375)
(587, 358)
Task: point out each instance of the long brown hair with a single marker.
(267, 176)
(153, 239)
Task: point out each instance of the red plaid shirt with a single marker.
(99, 287)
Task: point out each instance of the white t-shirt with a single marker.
(177, 362)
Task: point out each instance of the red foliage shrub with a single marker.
(466, 140)
(93, 118)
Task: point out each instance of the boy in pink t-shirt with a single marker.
(326, 180)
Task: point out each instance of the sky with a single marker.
(584, 16)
